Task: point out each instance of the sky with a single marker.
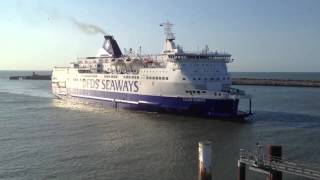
(262, 36)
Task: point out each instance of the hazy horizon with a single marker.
(269, 36)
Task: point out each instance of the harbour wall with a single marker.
(276, 82)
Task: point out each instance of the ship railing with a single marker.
(171, 57)
(144, 57)
(264, 162)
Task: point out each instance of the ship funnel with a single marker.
(111, 47)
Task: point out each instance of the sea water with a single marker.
(42, 137)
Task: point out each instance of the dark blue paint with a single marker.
(207, 107)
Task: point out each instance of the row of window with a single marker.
(194, 92)
(216, 57)
(119, 71)
(131, 77)
(206, 64)
(211, 79)
(154, 71)
(203, 92)
(111, 76)
(157, 78)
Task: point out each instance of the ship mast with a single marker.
(169, 46)
(167, 26)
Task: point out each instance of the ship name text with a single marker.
(111, 85)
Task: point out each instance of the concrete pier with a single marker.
(276, 82)
(272, 165)
(34, 76)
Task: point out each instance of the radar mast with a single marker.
(167, 26)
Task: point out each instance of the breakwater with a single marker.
(276, 82)
(34, 76)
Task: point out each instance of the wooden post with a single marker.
(205, 160)
(241, 171)
(275, 154)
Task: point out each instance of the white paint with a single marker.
(171, 74)
(205, 157)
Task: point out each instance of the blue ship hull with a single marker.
(224, 108)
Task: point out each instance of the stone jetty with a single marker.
(276, 82)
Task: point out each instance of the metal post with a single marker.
(241, 171)
(275, 154)
(250, 112)
(205, 160)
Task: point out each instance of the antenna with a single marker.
(168, 30)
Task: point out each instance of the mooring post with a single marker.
(241, 171)
(205, 160)
(250, 104)
(275, 154)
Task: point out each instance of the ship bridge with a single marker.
(175, 52)
(210, 56)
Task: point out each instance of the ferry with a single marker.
(175, 81)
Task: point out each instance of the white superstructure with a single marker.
(196, 83)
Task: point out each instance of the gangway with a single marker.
(259, 162)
